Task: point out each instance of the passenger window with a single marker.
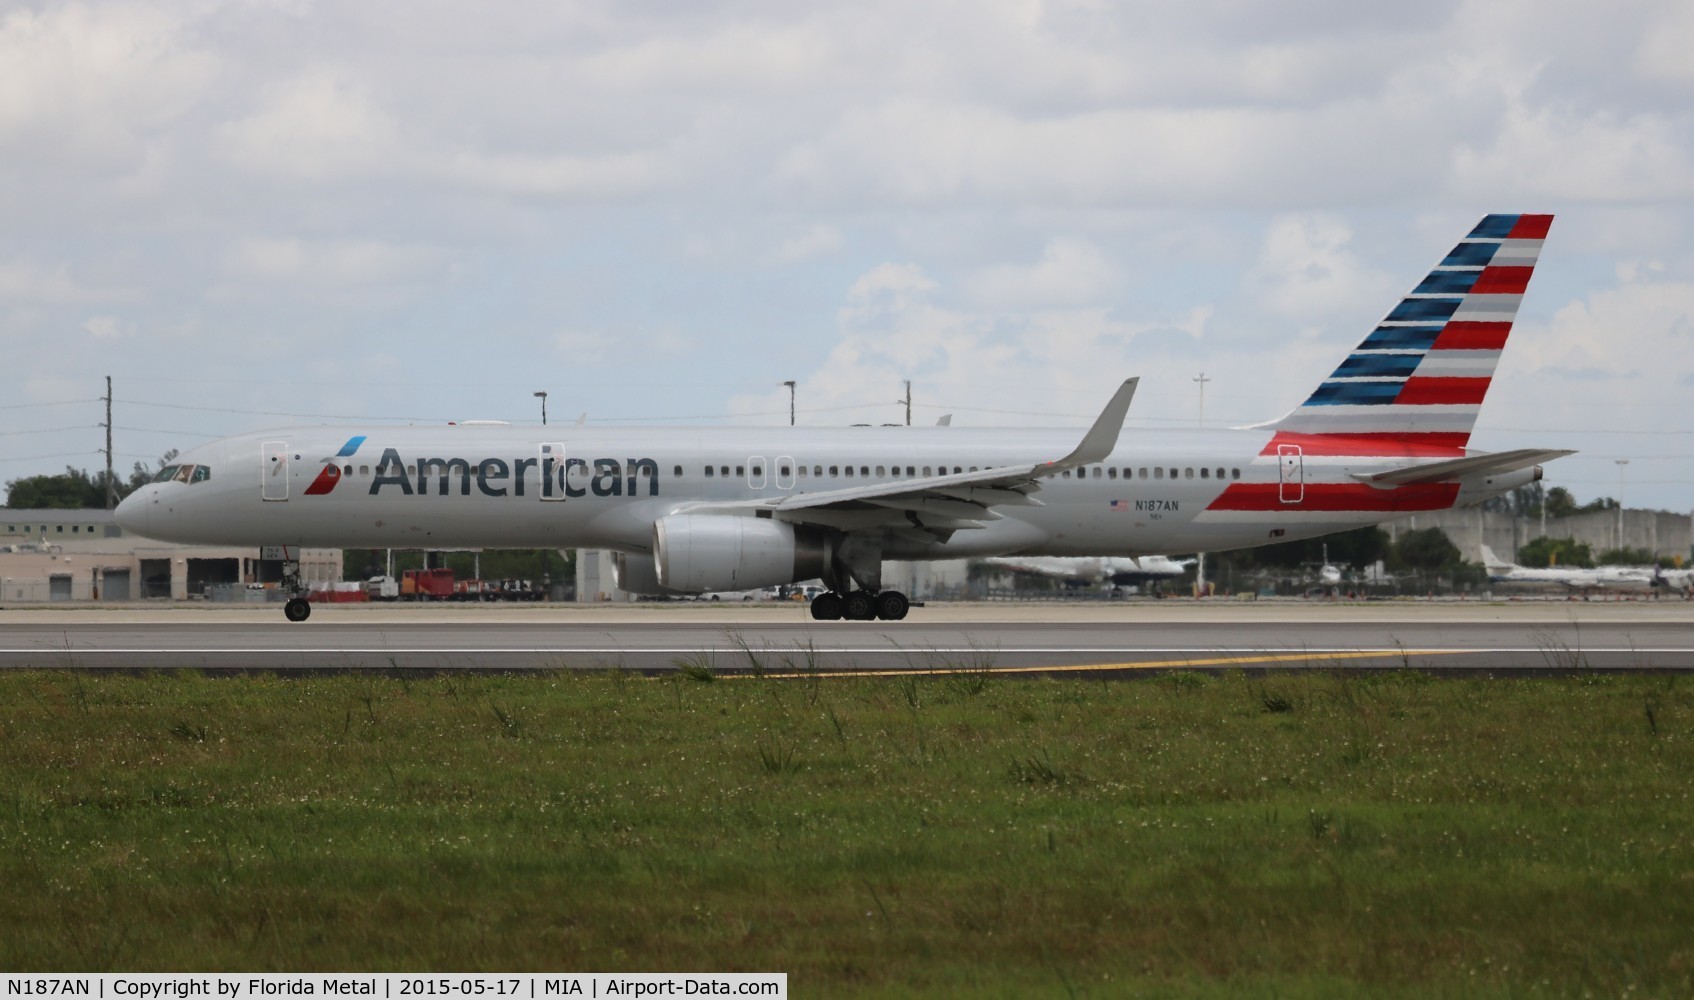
(864, 470)
(677, 472)
(1220, 473)
(758, 470)
(957, 470)
(784, 471)
(1159, 473)
(817, 470)
(1143, 472)
(1096, 472)
(1204, 473)
(802, 472)
(741, 470)
(911, 470)
(880, 471)
(1111, 473)
(411, 470)
(347, 471)
(835, 470)
(76, 529)
(725, 470)
(1235, 473)
(709, 472)
(364, 470)
(849, 472)
(1173, 473)
(1188, 473)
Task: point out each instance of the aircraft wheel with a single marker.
(891, 605)
(859, 606)
(826, 607)
(298, 609)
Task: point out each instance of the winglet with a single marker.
(1103, 436)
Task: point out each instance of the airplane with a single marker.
(689, 510)
(1103, 571)
(1574, 577)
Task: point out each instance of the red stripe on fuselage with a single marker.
(1389, 444)
(1530, 227)
(325, 482)
(1506, 280)
(1427, 391)
(1469, 335)
(1338, 497)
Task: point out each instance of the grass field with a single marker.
(1288, 835)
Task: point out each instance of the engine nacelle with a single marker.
(698, 552)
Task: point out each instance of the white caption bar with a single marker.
(397, 986)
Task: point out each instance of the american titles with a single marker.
(498, 477)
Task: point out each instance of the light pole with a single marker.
(1200, 557)
(543, 397)
(790, 385)
(1621, 463)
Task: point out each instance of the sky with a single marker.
(253, 213)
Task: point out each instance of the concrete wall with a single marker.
(1664, 533)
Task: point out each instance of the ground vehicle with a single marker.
(382, 588)
(426, 584)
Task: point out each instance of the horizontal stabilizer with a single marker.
(1459, 468)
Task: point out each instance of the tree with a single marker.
(1560, 503)
(76, 489)
(1427, 549)
(1626, 557)
(1548, 551)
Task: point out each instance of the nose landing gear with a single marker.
(860, 606)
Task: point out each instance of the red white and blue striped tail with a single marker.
(1414, 386)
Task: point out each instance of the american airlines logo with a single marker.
(545, 477)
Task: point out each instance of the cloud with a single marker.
(28, 282)
(80, 81)
(1070, 272)
(105, 328)
(815, 242)
(331, 262)
(1306, 270)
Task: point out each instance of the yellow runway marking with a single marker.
(1213, 661)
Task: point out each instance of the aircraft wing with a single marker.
(1458, 468)
(938, 503)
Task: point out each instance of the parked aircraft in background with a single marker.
(1574, 577)
(1098, 572)
(1386, 434)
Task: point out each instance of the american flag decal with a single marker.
(1120, 505)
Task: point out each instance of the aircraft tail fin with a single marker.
(1418, 379)
(1491, 561)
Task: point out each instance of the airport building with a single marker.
(83, 555)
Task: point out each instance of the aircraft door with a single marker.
(784, 472)
(553, 471)
(756, 472)
(273, 470)
(1292, 484)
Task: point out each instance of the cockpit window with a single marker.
(202, 473)
(185, 473)
(166, 474)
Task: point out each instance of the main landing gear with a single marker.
(860, 606)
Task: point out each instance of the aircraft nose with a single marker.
(131, 514)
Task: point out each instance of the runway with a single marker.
(1099, 640)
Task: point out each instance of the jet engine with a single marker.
(696, 552)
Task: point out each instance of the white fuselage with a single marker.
(505, 487)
